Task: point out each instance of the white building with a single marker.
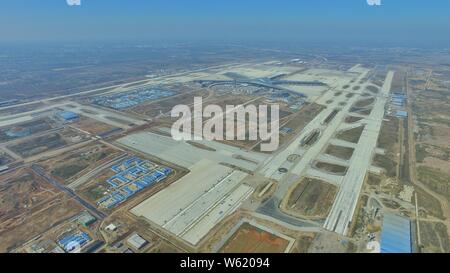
(136, 241)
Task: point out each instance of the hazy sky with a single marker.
(342, 21)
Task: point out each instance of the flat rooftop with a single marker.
(396, 234)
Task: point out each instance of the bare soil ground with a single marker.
(373, 180)
(29, 206)
(329, 242)
(250, 239)
(92, 126)
(297, 122)
(351, 135)
(389, 141)
(360, 223)
(47, 142)
(373, 89)
(25, 129)
(97, 188)
(352, 119)
(435, 179)
(434, 237)
(311, 198)
(429, 103)
(428, 205)
(364, 102)
(387, 163)
(332, 168)
(5, 158)
(302, 244)
(339, 151)
(69, 166)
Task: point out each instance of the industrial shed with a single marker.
(67, 116)
(396, 234)
(401, 114)
(136, 241)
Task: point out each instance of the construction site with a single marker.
(111, 155)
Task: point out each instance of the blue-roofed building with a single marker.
(132, 176)
(165, 170)
(118, 197)
(148, 180)
(399, 95)
(398, 100)
(396, 234)
(130, 99)
(139, 184)
(70, 242)
(68, 116)
(401, 114)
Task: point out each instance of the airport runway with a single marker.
(349, 184)
(345, 204)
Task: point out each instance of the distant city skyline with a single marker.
(355, 22)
